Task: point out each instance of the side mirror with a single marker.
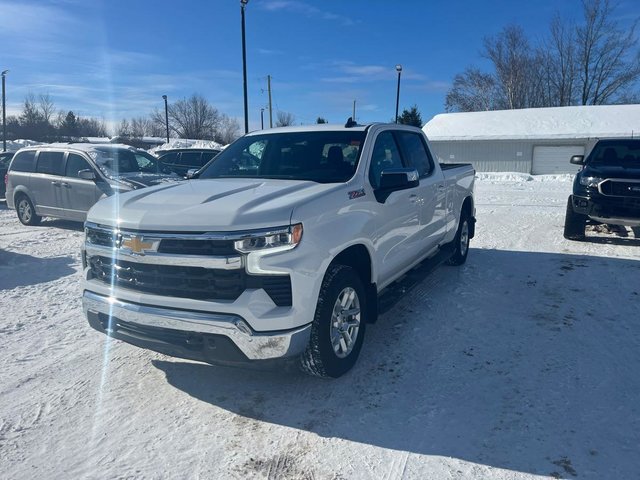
(394, 179)
(577, 160)
(87, 174)
(191, 172)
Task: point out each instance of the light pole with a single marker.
(399, 70)
(262, 119)
(243, 4)
(4, 114)
(166, 115)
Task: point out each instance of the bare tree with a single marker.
(607, 57)
(141, 127)
(284, 119)
(511, 55)
(228, 130)
(194, 118)
(560, 59)
(46, 107)
(124, 129)
(472, 91)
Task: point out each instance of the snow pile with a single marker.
(15, 145)
(591, 121)
(188, 143)
(504, 177)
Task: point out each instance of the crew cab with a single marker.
(279, 248)
(607, 187)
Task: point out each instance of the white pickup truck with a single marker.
(277, 248)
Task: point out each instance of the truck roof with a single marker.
(311, 128)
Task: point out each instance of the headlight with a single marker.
(590, 181)
(282, 238)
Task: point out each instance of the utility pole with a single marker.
(354, 111)
(243, 4)
(166, 115)
(262, 119)
(4, 114)
(270, 109)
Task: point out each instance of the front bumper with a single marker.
(607, 209)
(218, 338)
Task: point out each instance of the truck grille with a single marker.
(197, 247)
(197, 283)
(621, 188)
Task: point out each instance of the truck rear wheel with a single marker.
(574, 223)
(338, 326)
(461, 241)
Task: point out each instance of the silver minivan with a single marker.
(65, 180)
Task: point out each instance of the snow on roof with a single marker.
(589, 121)
(188, 143)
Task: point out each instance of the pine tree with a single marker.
(411, 117)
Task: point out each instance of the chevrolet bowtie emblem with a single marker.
(136, 245)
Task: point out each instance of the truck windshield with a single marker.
(323, 157)
(624, 153)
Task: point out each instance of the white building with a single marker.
(532, 140)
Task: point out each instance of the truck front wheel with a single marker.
(338, 326)
(574, 223)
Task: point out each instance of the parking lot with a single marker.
(523, 363)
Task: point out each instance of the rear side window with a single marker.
(206, 156)
(169, 158)
(24, 161)
(75, 163)
(415, 151)
(50, 163)
(190, 159)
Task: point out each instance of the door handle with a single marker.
(65, 184)
(53, 182)
(440, 187)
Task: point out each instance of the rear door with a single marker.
(431, 192)
(46, 183)
(79, 194)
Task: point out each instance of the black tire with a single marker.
(461, 241)
(574, 223)
(321, 357)
(26, 211)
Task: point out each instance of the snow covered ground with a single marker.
(524, 363)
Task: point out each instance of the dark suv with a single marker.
(606, 189)
(181, 160)
(5, 158)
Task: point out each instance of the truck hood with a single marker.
(208, 205)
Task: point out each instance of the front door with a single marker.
(397, 219)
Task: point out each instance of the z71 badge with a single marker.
(356, 194)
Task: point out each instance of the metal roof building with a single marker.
(532, 140)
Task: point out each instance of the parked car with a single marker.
(280, 247)
(65, 180)
(181, 160)
(5, 158)
(606, 189)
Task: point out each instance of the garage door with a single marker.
(547, 160)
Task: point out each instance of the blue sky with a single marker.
(116, 59)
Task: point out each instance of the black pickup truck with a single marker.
(606, 189)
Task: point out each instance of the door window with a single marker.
(385, 155)
(75, 163)
(415, 152)
(50, 163)
(190, 159)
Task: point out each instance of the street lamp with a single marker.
(262, 119)
(166, 115)
(4, 114)
(243, 4)
(399, 70)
